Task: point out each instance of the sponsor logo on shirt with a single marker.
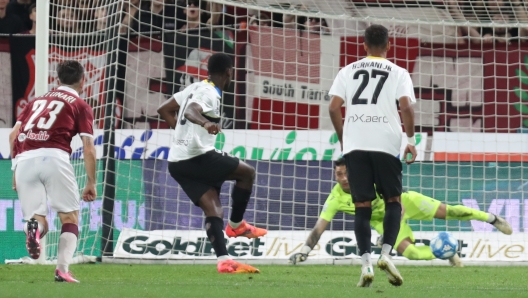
(40, 136)
(368, 119)
(182, 142)
(22, 137)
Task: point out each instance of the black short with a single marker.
(368, 168)
(203, 172)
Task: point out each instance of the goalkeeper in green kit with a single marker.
(415, 206)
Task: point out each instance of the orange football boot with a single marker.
(245, 230)
(231, 266)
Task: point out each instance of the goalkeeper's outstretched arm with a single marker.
(313, 238)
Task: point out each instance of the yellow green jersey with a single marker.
(339, 200)
(416, 205)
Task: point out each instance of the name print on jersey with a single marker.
(61, 95)
(372, 64)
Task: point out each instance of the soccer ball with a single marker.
(444, 245)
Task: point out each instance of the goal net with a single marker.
(468, 61)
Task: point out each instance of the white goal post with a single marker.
(468, 61)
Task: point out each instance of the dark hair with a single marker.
(339, 162)
(70, 72)
(195, 2)
(376, 36)
(219, 63)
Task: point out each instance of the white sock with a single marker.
(234, 225)
(67, 246)
(491, 218)
(223, 258)
(306, 249)
(365, 259)
(386, 249)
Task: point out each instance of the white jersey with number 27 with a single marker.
(189, 139)
(371, 88)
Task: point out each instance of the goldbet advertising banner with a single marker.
(279, 245)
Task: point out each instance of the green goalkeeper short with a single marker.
(417, 207)
(405, 232)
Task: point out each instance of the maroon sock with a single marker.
(70, 228)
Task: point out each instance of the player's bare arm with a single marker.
(12, 137)
(407, 114)
(193, 113)
(337, 118)
(90, 192)
(168, 111)
(317, 231)
(311, 241)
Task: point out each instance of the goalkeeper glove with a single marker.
(298, 257)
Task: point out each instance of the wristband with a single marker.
(411, 141)
(203, 124)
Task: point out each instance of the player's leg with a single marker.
(244, 176)
(405, 245)
(388, 179)
(391, 223)
(67, 245)
(214, 223)
(32, 195)
(408, 249)
(39, 222)
(205, 197)
(361, 180)
(460, 212)
(420, 207)
(412, 252)
(63, 196)
(204, 193)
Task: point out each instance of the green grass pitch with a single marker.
(104, 280)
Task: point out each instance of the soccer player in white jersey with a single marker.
(372, 88)
(200, 169)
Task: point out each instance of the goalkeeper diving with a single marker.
(415, 206)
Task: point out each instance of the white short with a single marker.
(46, 179)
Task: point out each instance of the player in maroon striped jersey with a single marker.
(42, 173)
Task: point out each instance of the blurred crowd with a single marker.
(506, 13)
(85, 16)
(151, 16)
